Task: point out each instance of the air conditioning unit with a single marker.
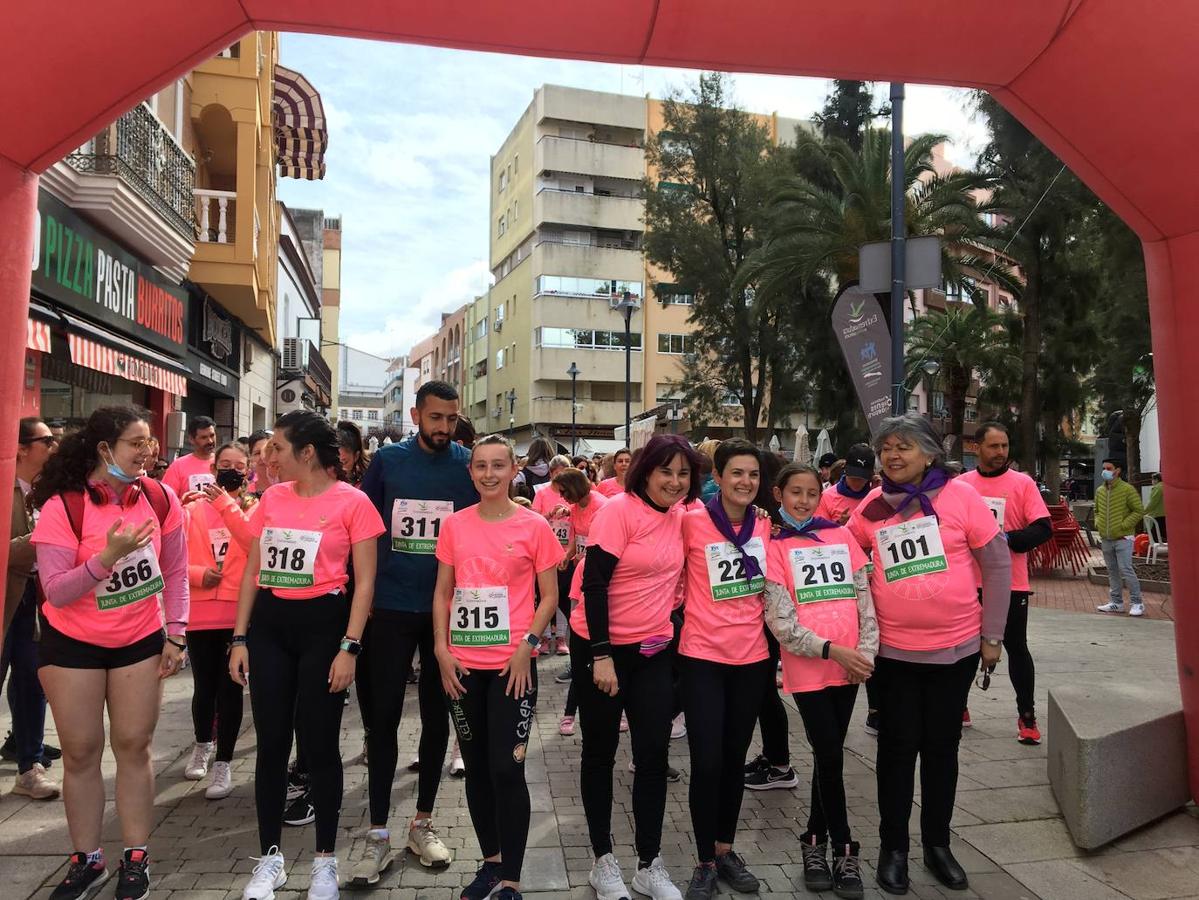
(291, 353)
(496, 412)
(499, 324)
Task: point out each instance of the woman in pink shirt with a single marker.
(818, 606)
(548, 502)
(723, 658)
(621, 655)
(621, 461)
(217, 544)
(300, 635)
(112, 559)
(486, 635)
(926, 534)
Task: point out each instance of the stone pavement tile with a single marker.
(1007, 773)
(1010, 804)
(1015, 842)
(543, 830)
(1000, 886)
(21, 876)
(1141, 874)
(1059, 879)
(545, 869)
(1176, 830)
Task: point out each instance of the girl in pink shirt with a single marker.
(548, 502)
(723, 659)
(621, 461)
(218, 542)
(302, 635)
(486, 634)
(818, 606)
(112, 560)
(621, 655)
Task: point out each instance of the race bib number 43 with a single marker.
(726, 569)
(822, 573)
(479, 617)
(136, 577)
(288, 557)
(911, 548)
(416, 524)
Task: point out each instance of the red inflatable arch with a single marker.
(1109, 85)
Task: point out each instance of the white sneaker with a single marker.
(1138, 609)
(267, 877)
(221, 785)
(197, 766)
(322, 885)
(655, 882)
(605, 877)
(375, 860)
(1111, 608)
(678, 728)
(34, 783)
(424, 842)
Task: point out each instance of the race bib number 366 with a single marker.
(911, 548)
(288, 557)
(479, 617)
(416, 524)
(136, 577)
(822, 573)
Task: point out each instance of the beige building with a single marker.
(439, 356)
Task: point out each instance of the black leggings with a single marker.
(395, 636)
(719, 702)
(646, 696)
(214, 693)
(363, 685)
(772, 717)
(920, 714)
(1020, 667)
(493, 734)
(291, 645)
(572, 697)
(826, 714)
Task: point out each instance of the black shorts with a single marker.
(57, 649)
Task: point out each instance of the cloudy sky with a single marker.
(411, 131)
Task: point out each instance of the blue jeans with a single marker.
(1117, 556)
(26, 701)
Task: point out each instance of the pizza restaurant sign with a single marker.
(76, 266)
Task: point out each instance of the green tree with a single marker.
(848, 111)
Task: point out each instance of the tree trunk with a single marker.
(1132, 442)
(958, 383)
(1030, 353)
(1052, 473)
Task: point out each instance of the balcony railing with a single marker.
(216, 217)
(300, 357)
(138, 149)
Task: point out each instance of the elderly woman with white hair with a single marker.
(926, 533)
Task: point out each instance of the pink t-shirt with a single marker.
(923, 580)
(723, 618)
(609, 487)
(187, 473)
(649, 545)
(581, 517)
(825, 601)
(834, 504)
(213, 543)
(304, 542)
(114, 615)
(1016, 503)
(545, 501)
(495, 568)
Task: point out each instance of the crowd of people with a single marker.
(685, 584)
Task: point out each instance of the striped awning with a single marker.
(93, 355)
(299, 121)
(37, 335)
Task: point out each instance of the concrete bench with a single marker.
(1117, 757)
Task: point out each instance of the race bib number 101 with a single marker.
(911, 548)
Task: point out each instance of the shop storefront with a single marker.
(213, 355)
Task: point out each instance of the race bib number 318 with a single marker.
(288, 557)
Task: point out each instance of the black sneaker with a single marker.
(300, 810)
(485, 881)
(703, 883)
(133, 877)
(817, 876)
(756, 764)
(507, 893)
(731, 868)
(8, 752)
(847, 871)
(82, 880)
(872, 722)
(563, 677)
(771, 778)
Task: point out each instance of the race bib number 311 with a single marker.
(479, 617)
(822, 573)
(136, 577)
(416, 524)
(911, 548)
(288, 557)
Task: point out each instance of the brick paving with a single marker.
(1075, 593)
(1008, 832)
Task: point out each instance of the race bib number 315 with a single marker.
(416, 524)
(911, 548)
(822, 573)
(288, 557)
(136, 577)
(479, 617)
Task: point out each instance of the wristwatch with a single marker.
(533, 640)
(992, 642)
(351, 646)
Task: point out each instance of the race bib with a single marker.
(561, 529)
(416, 524)
(997, 505)
(580, 542)
(911, 548)
(726, 569)
(479, 617)
(135, 577)
(197, 481)
(821, 573)
(288, 557)
(219, 539)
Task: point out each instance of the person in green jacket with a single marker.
(1156, 509)
(1118, 509)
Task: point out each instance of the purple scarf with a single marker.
(846, 491)
(934, 478)
(737, 537)
(808, 529)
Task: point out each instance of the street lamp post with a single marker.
(511, 398)
(898, 250)
(626, 305)
(573, 372)
(674, 415)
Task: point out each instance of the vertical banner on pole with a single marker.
(865, 343)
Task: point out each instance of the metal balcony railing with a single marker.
(300, 356)
(138, 149)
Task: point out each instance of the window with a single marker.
(516, 164)
(499, 314)
(667, 392)
(501, 226)
(480, 329)
(586, 339)
(671, 295)
(372, 415)
(608, 392)
(500, 356)
(971, 412)
(677, 344)
(567, 286)
(503, 180)
(515, 210)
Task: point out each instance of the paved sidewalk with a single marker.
(1009, 834)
